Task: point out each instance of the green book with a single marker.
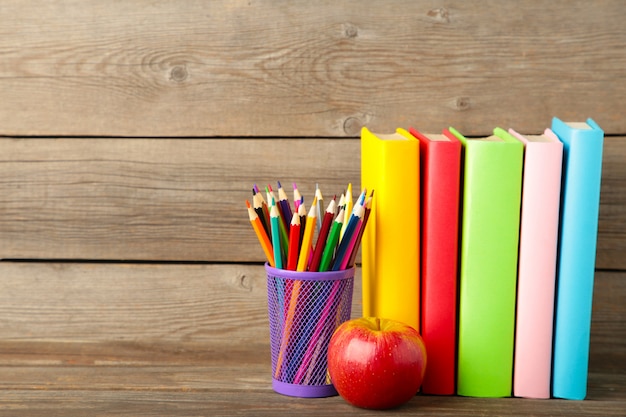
(491, 195)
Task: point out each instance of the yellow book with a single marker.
(390, 245)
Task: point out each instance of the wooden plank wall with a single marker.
(131, 134)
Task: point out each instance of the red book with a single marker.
(440, 163)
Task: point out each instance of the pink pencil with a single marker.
(351, 246)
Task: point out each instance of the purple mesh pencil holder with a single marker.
(304, 310)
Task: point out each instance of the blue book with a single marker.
(578, 232)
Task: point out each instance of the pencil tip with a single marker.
(279, 186)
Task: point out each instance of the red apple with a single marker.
(376, 363)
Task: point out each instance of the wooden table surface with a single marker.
(220, 367)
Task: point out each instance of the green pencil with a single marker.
(275, 221)
(331, 242)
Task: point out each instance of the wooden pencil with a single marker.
(307, 238)
(255, 220)
(346, 239)
(283, 200)
(294, 243)
(320, 206)
(331, 242)
(275, 222)
(366, 215)
(261, 209)
(297, 197)
(345, 259)
(348, 210)
(326, 223)
(283, 229)
(302, 214)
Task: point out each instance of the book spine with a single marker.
(370, 174)
(440, 181)
(537, 266)
(582, 169)
(390, 259)
(488, 268)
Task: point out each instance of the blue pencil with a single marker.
(344, 244)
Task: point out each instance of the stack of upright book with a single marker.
(487, 247)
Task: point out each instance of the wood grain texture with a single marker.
(62, 312)
(116, 344)
(184, 199)
(141, 199)
(612, 221)
(265, 68)
(131, 307)
(232, 402)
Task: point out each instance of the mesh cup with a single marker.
(304, 310)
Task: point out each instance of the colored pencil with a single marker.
(270, 196)
(341, 205)
(261, 208)
(320, 206)
(283, 230)
(256, 203)
(331, 242)
(275, 221)
(326, 223)
(294, 243)
(255, 220)
(297, 197)
(344, 245)
(366, 215)
(263, 203)
(332, 250)
(348, 211)
(307, 238)
(302, 213)
(345, 260)
(283, 200)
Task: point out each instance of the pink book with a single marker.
(541, 194)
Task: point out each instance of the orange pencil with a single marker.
(260, 233)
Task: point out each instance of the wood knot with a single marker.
(350, 30)
(179, 73)
(352, 126)
(462, 103)
(244, 282)
(440, 14)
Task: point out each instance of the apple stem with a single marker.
(377, 323)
